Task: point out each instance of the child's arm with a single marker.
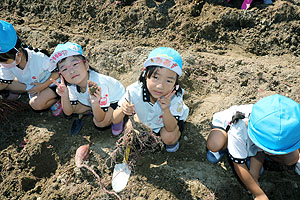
(95, 97)
(125, 109)
(252, 185)
(169, 120)
(38, 87)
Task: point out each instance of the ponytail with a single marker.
(44, 51)
(20, 46)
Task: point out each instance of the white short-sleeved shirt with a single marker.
(239, 144)
(151, 114)
(111, 91)
(37, 69)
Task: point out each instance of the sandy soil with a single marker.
(230, 57)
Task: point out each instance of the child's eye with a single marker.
(169, 81)
(155, 77)
(63, 69)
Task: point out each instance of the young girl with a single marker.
(25, 70)
(269, 127)
(157, 98)
(76, 96)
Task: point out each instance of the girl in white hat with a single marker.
(157, 98)
(76, 96)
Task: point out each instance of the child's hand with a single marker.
(61, 89)
(165, 101)
(127, 108)
(92, 86)
(38, 87)
(262, 197)
(96, 96)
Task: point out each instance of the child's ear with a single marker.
(87, 65)
(19, 53)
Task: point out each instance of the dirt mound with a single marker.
(230, 57)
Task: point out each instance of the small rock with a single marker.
(185, 138)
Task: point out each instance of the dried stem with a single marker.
(99, 181)
(140, 138)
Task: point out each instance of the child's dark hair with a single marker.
(11, 54)
(76, 56)
(148, 73)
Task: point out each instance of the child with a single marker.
(25, 70)
(76, 97)
(157, 98)
(269, 127)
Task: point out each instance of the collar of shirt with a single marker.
(146, 94)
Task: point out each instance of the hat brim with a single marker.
(59, 55)
(163, 62)
(254, 139)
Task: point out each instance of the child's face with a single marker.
(161, 83)
(11, 62)
(73, 69)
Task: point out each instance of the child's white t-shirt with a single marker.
(111, 91)
(37, 69)
(239, 144)
(151, 114)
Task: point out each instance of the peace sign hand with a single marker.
(61, 89)
(165, 101)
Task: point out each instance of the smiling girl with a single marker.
(76, 97)
(157, 98)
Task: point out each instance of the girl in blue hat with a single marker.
(77, 77)
(269, 127)
(23, 69)
(157, 98)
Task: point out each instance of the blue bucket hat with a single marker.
(274, 124)
(65, 50)
(165, 57)
(8, 36)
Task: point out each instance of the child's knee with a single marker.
(102, 124)
(211, 145)
(292, 158)
(170, 138)
(217, 140)
(35, 105)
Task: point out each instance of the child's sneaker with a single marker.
(172, 148)
(268, 2)
(13, 96)
(117, 129)
(297, 167)
(215, 157)
(56, 109)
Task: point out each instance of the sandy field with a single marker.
(230, 57)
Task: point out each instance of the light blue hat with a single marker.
(65, 50)
(274, 124)
(8, 36)
(165, 57)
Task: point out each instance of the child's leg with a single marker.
(15, 86)
(170, 138)
(256, 164)
(107, 119)
(80, 108)
(43, 100)
(217, 140)
(286, 159)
